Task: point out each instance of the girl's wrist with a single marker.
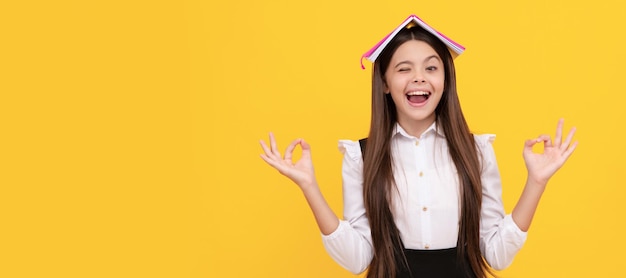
(307, 187)
(536, 183)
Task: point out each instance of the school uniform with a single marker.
(425, 206)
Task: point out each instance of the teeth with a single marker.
(418, 93)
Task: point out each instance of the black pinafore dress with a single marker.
(432, 264)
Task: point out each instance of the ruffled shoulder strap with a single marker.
(351, 149)
(483, 140)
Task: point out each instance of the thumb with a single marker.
(306, 149)
(528, 144)
(305, 145)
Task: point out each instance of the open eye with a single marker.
(431, 68)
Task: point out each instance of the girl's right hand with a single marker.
(301, 172)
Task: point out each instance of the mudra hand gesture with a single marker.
(542, 166)
(301, 172)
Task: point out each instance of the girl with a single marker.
(422, 197)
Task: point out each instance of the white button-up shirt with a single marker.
(426, 205)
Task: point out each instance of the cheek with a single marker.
(442, 86)
(393, 86)
(399, 82)
(440, 83)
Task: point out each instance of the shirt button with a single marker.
(421, 174)
(425, 208)
(417, 142)
(426, 246)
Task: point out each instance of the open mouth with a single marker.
(417, 97)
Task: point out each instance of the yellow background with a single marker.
(130, 129)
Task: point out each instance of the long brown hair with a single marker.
(378, 170)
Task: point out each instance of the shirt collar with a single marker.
(434, 128)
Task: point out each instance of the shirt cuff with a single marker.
(513, 228)
(340, 230)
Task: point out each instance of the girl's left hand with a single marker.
(542, 166)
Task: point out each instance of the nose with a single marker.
(419, 78)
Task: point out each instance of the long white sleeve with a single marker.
(500, 238)
(351, 244)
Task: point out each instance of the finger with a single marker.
(265, 148)
(547, 142)
(528, 145)
(305, 145)
(269, 161)
(306, 149)
(559, 132)
(290, 148)
(570, 150)
(569, 138)
(268, 152)
(273, 145)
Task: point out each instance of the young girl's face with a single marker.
(415, 80)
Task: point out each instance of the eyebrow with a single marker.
(411, 63)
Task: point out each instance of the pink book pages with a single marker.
(373, 53)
